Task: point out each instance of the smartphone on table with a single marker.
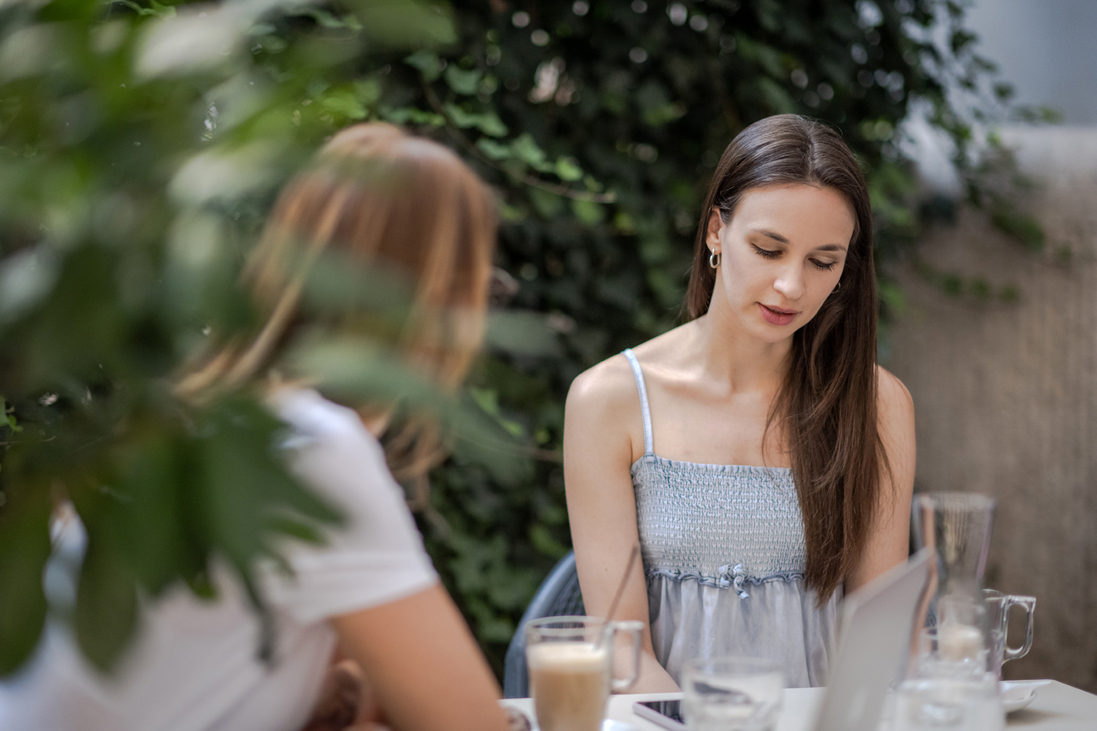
(667, 714)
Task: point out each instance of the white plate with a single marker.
(1016, 694)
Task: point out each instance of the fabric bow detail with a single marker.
(733, 576)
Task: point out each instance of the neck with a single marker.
(730, 355)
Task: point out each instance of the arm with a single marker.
(423, 667)
(889, 541)
(601, 505)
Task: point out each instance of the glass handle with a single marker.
(631, 629)
(1029, 604)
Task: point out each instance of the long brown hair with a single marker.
(826, 405)
(393, 203)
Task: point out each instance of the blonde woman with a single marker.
(389, 203)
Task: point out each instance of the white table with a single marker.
(1057, 707)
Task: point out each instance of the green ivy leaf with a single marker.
(1025, 228)
(543, 540)
(411, 115)
(547, 204)
(461, 81)
(488, 122)
(7, 417)
(427, 62)
(588, 212)
(493, 149)
(344, 103)
(893, 297)
(487, 399)
(659, 116)
(568, 169)
(529, 152)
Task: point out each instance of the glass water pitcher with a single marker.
(956, 527)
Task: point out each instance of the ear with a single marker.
(715, 228)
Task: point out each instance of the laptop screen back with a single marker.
(874, 633)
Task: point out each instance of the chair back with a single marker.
(558, 596)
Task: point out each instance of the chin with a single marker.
(773, 337)
(772, 334)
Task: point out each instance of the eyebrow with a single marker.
(778, 237)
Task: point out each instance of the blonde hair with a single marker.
(393, 202)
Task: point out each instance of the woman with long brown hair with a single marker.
(391, 206)
(757, 453)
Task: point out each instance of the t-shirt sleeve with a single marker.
(377, 555)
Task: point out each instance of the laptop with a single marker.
(873, 639)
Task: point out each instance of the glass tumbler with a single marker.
(969, 703)
(731, 694)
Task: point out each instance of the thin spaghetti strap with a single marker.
(645, 411)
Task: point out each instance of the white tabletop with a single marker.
(1057, 707)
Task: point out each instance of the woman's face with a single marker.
(781, 255)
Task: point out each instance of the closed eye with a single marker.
(767, 253)
(824, 265)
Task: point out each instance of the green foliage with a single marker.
(1024, 227)
(975, 289)
(140, 146)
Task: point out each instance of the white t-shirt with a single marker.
(194, 664)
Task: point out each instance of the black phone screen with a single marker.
(670, 709)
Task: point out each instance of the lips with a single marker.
(777, 315)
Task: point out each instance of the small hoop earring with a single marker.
(838, 286)
(714, 259)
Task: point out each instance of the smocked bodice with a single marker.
(720, 525)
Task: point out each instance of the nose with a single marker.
(790, 281)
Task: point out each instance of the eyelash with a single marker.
(766, 253)
(770, 254)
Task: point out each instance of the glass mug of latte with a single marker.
(571, 668)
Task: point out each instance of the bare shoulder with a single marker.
(895, 414)
(607, 389)
(612, 385)
(892, 397)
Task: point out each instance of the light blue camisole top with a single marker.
(724, 555)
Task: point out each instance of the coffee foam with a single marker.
(576, 656)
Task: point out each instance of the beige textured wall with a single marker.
(1006, 396)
